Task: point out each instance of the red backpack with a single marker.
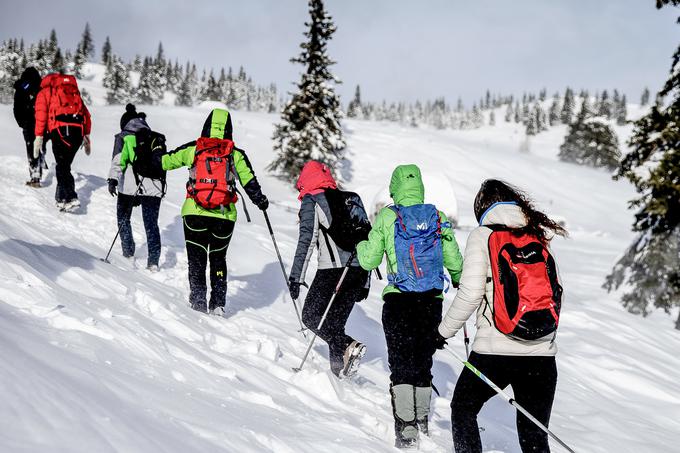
(66, 105)
(213, 183)
(527, 294)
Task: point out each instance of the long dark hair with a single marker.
(496, 191)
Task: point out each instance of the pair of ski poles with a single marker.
(501, 392)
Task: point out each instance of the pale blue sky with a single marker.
(399, 50)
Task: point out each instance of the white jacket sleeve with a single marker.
(472, 284)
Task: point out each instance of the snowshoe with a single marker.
(217, 311)
(33, 182)
(353, 355)
(71, 205)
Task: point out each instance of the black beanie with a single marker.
(130, 114)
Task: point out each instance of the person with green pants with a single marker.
(413, 298)
(209, 211)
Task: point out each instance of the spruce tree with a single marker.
(310, 127)
(492, 118)
(605, 106)
(117, 82)
(590, 142)
(622, 111)
(518, 115)
(509, 113)
(185, 92)
(150, 89)
(644, 98)
(567, 113)
(650, 268)
(554, 115)
(106, 51)
(354, 107)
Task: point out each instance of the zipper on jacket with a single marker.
(413, 261)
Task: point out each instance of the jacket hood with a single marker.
(135, 124)
(29, 78)
(406, 186)
(504, 213)
(218, 125)
(314, 178)
(47, 80)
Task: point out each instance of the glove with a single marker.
(37, 146)
(87, 145)
(363, 294)
(262, 203)
(113, 183)
(440, 341)
(294, 289)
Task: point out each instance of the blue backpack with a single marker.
(418, 247)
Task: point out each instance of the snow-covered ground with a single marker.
(110, 358)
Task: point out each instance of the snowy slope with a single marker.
(108, 357)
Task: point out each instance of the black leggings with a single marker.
(207, 239)
(410, 322)
(150, 210)
(318, 296)
(64, 147)
(533, 380)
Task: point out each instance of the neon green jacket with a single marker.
(218, 125)
(406, 189)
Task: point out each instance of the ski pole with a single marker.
(328, 308)
(283, 269)
(120, 224)
(466, 339)
(510, 400)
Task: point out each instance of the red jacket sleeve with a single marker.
(41, 104)
(87, 125)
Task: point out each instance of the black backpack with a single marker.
(349, 222)
(148, 153)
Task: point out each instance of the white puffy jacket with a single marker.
(476, 283)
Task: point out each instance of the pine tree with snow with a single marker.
(84, 51)
(58, 63)
(492, 118)
(117, 82)
(531, 123)
(590, 142)
(650, 268)
(509, 113)
(605, 106)
(310, 127)
(622, 111)
(186, 90)
(354, 107)
(644, 98)
(518, 114)
(543, 95)
(567, 113)
(526, 113)
(150, 89)
(137, 64)
(106, 51)
(554, 115)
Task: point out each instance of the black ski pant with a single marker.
(207, 240)
(410, 321)
(333, 329)
(533, 380)
(150, 208)
(34, 165)
(65, 144)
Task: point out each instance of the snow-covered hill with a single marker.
(110, 358)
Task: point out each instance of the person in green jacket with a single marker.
(208, 231)
(413, 298)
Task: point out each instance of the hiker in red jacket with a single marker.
(61, 115)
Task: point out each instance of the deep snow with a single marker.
(109, 357)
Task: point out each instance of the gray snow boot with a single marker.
(423, 396)
(403, 409)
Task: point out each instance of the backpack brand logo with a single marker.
(421, 226)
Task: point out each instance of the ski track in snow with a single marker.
(110, 358)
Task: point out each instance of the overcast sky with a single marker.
(395, 49)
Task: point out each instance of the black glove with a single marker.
(363, 294)
(113, 183)
(262, 203)
(294, 289)
(439, 341)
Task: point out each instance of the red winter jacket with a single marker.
(45, 121)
